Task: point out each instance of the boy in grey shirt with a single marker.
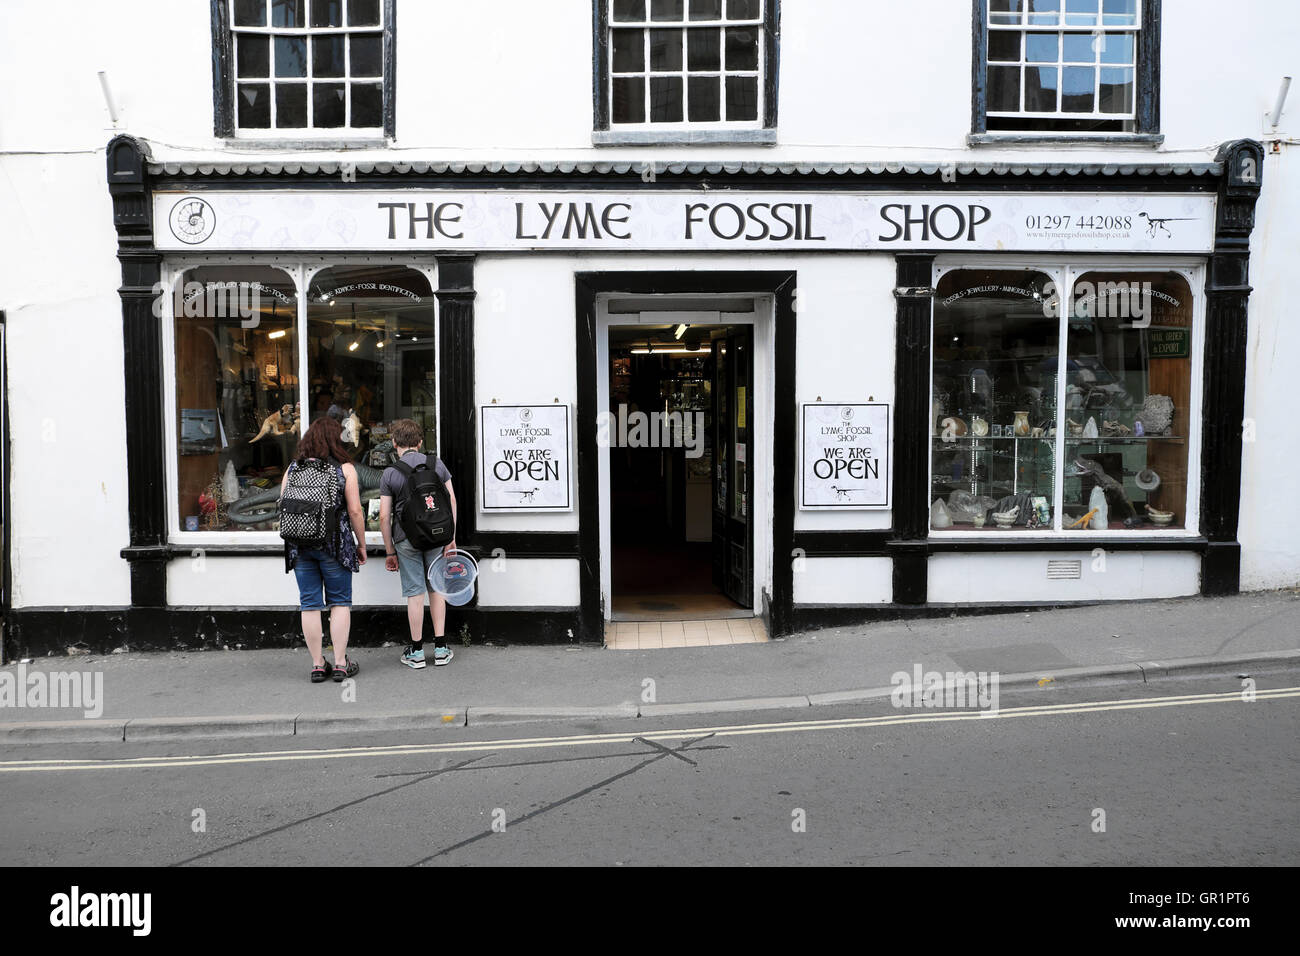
(401, 556)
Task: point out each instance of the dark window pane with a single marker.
(703, 50)
(1044, 12)
(254, 101)
(327, 105)
(1004, 45)
(628, 51)
(367, 54)
(1076, 89)
(252, 55)
(742, 9)
(1040, 89)
(363, 13)
(1040, 48)
(250, 13)
(1078, 48)
(1116, 91)
(290, 56)
(1004, 89)
(629, 100)
(705, 104)
(1117, 48)
(327, 55)
(742, 98)
(706, 9)
(290, 105)
(287, 13)
(629, 11)
(666, 99)
(665, 50)
(742, 49)
(1005, 11)
(327, 13)
(665, 9)
(367, 104)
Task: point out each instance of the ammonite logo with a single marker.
(192, 220)
(525, 415)
(846, 413)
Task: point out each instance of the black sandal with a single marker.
(320, 674)
(349, 669)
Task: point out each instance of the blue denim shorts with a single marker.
(413, 567)
(316, 570)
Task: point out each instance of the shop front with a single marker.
(809, 395)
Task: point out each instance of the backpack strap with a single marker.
(407, 469)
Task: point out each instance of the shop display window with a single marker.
(237, 404)
(261, 351)
(1128, 400)
(996, 352)
(370, 360)
(1061, 412)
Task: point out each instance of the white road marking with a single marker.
(579, 740)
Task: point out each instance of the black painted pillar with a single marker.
(784, 436)
(456, 436)
(1227, 293)
(591, 612)
(142, 349)
(911, 451)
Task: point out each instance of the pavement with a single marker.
(252, 693)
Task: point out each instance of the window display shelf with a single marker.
(1128, 440)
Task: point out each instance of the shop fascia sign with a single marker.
(715, 220)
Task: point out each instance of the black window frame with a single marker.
(1146, 85)
(608, 134)
(223, 83)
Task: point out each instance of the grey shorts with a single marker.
(413, 567)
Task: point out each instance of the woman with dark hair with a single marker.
(329, 568)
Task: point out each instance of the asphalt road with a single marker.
(1209, 781)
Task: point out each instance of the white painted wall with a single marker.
(1125, 575)
(844, 581)
(1269, 530)
(513, 78)
(470, 88)
(58, 289)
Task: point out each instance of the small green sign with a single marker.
(1169, 343)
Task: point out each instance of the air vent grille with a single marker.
(1064, 570)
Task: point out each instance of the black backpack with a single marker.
(309, 505)
(424, 508)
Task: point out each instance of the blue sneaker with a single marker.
(441, 656)
(413, 656)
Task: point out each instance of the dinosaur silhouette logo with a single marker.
(1154, 224)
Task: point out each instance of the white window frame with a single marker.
(1098, 30)
(310, 131)
(759, 24)
(1064, 270)
(301, 269)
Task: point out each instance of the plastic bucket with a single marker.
(454, 576)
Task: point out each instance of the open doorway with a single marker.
(681, 456)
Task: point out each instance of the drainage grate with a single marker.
(1064, 570)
